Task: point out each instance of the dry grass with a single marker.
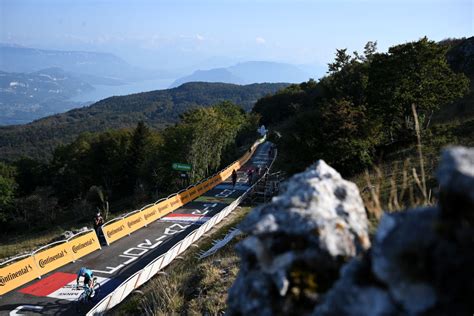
(25, 243)
(191, 286)
(397, 186)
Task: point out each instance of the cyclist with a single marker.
(88, 280)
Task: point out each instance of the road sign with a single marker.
(181, 166)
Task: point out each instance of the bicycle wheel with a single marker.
(81, 301)
(96, 290)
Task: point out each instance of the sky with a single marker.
(182, 33)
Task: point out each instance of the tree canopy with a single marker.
(363, 103)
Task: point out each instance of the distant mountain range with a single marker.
(109, 75)
(98, 66)
(156, 108)
(28, 96)
(249, 72)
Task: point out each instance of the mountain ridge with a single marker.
(27, 59)
(158, 109)
(248, 72)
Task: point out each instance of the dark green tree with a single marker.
(8, 187)
(412, 73)
(136, 155)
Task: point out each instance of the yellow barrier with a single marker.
(200, 188)
(115, 231)
(134, 222)
(17, 274)
(164, 207)
(84, 245)
(127, 225)
(151, 214)
(185, 197)
(53, 258)
(175, 202)
(193, 193)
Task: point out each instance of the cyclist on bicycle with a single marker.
(88, 280)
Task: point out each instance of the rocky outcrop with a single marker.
(298, 243)
(296, 260)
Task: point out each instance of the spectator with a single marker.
(234, 178)
(250, 176)
(98, 222)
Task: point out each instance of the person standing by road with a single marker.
(234, 178)
(250, 176)
(98, 222)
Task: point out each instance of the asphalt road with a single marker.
(55, 293)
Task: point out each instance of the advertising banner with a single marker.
(53, 258)
(163, 208)
(84, 245)
(193, 193)
(184, 197)
(175, 202)
(200, 188)
(115, 231)
(17, 274)
(134, 222)
(151, 214)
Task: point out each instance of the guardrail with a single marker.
(127, 224)
(45, 259)
(142, 276)
(48, 258)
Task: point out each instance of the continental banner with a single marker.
(193, 193)
(115, 231)
(84, 244)
(163, 208)
(215, 180)
(151, 214)
(134, 222)
(17, 274)
(53, 258)
(175, 202)
(184, 196)
(200, 188)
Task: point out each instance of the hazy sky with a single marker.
(179, 32)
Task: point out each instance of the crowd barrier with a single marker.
(46, 259)
(16, 272)
(127, 224)
(145, 274)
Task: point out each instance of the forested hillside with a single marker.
(362, 110)
(122, 168)
(157, 109)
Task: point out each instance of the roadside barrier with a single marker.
(142, 276)
(123, 226)
(45, 259)
(149, 271)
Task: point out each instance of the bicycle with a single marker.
(88, 295)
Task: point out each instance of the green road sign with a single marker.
(181, 166)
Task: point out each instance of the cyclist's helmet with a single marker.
(82, 271)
